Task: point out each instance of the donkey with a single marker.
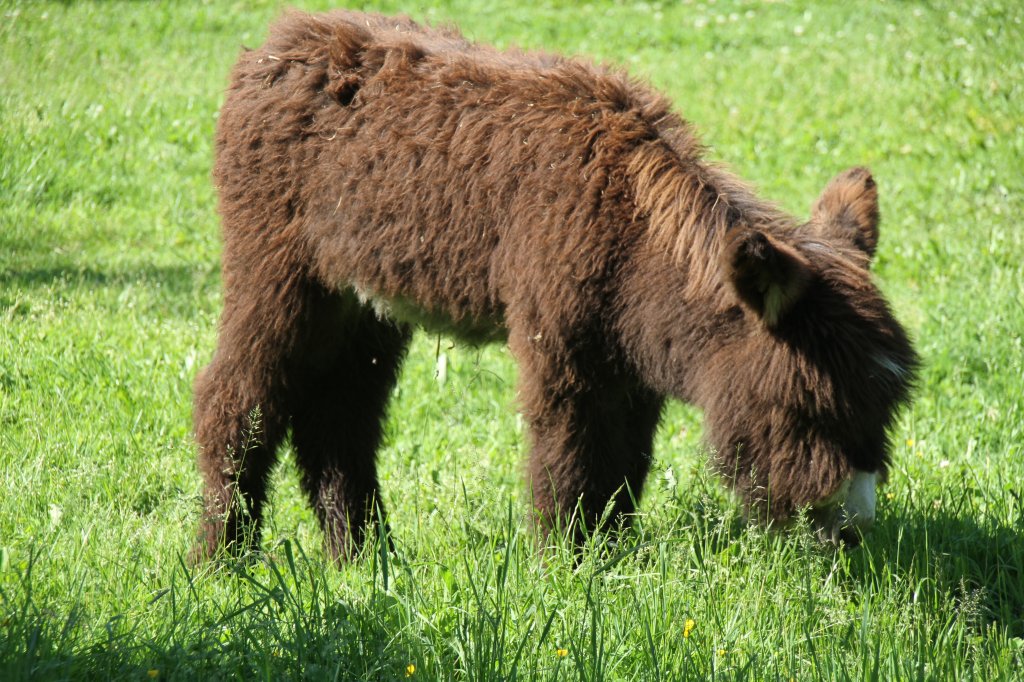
(375, 176)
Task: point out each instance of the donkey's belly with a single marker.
(474, 329)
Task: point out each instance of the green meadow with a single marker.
(110, 295)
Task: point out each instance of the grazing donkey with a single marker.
(376, 175)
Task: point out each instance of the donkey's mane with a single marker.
(691, 204)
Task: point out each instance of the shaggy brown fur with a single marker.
(375, 174)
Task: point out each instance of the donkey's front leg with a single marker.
(589, 450)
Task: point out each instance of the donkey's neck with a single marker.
(671, 330)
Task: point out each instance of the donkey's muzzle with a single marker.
(846, 519)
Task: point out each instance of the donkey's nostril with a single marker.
(850, 536)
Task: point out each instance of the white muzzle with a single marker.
(850, 512)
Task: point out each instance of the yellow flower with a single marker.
(910, 442)
(153, 672)
(688, 627)
(561, 653)
(721, 652)
(409, 670)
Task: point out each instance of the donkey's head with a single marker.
(802, 394)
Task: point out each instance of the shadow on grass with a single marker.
(167, 290)
(177, 279)
(977, 562)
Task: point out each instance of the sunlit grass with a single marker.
(109, 296)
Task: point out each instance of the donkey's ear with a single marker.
(848, 209)
(766, 275)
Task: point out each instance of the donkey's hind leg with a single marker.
(240, 412)
(341, 397)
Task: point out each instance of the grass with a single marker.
(109, 296)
